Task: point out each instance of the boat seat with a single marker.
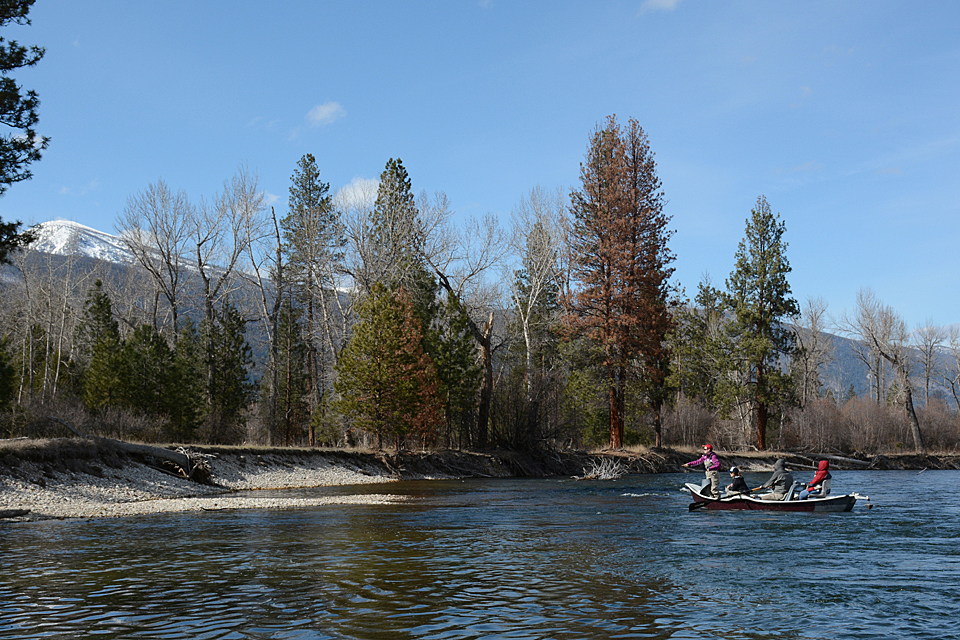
(824, 490)
(792, 491)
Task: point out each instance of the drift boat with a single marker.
(747, 502)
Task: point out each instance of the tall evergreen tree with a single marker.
(387, 383)
(759, 296)
(313, 242)
(621, 265)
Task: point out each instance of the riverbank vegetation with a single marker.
(382, 318)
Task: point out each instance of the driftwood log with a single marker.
(13, 513)
(188, 465)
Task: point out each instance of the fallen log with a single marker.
(13, 513)
(194, 468)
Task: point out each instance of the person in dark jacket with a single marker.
(820, 485)
(711, 468)
(738, 484)
(779, 482)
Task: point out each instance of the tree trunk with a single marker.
(657, 425)
(911, 413)
(761, 409)
(486, 386)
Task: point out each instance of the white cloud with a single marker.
(325, 113)
(660, 5)
(82, 190)
(359, 194)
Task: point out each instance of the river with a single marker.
(510, 559)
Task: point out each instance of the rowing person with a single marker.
(779, 482)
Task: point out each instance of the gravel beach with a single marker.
(137, 489)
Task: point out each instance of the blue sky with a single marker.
(845, 115)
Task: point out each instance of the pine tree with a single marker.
(455, 355)
(621, 265)
(20, 144)
(98, 351)
(387, 384)
(18, 110)
(146, 370)
(313, 242)
(185, 394)
(292, 409)
(231, 390)
(394, 243)
(759, 296)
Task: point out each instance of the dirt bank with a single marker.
(63, 478)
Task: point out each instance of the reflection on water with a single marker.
(498, 559)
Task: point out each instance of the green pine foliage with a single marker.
(699, 346)
(18, 108)
(313, 235)
(387, 384)
(97, 357)
(185, 392)
(230, 389)
(395, 237)
(291, 410)
(454, 352)
(146, 371)
(759, 298)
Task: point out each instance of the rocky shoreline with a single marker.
(82, 478)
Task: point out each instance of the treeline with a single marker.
(376, 319)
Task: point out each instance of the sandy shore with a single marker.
(138, 489)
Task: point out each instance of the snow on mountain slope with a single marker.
(66, 238)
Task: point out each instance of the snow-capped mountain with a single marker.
(66, 238)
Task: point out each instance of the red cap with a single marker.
(708, 446)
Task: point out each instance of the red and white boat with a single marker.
(751, 502)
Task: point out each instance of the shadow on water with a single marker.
(497, 559)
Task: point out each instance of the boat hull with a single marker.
(832, 504)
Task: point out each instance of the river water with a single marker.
(504, 559)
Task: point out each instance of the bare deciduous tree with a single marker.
(952, 377)
(880, 327)
(928, 341)
(461, 263)
(155, 226)
(537, 239)
(814, 348)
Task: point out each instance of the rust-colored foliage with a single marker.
(621, 262)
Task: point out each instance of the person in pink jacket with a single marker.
(711, 467)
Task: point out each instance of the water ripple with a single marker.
(493, 559)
